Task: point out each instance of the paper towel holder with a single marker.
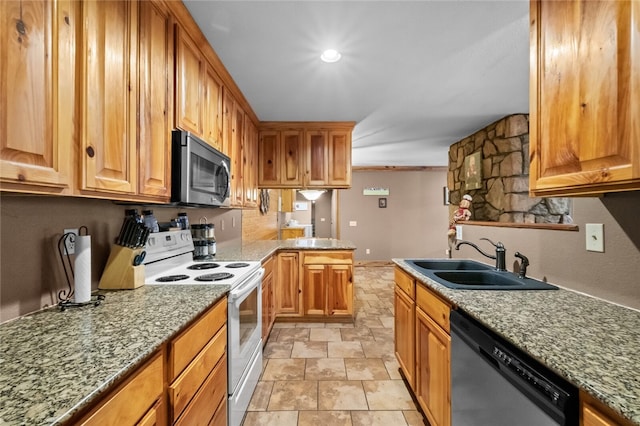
(65, 295)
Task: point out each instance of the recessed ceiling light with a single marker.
(330, 55)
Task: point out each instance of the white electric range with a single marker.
(169, 261)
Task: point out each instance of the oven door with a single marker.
(244, 327)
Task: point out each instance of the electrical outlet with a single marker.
(353, 223)
(70, 241)
(458, 232)
(368, 251)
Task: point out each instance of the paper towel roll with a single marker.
(82, 269)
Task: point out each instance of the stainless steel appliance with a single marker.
(169, 261)
(200, 174)
(494, 383)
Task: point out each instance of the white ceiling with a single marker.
(416, 76)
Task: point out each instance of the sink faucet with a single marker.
(500, 256)
(524, 262)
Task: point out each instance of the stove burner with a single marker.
(237, 265)
(205, 265)
(171, 278)
(214, 277)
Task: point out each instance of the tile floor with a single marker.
(336, 374)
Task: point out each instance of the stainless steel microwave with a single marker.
(200, 174)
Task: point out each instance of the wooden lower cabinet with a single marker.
(433, 370)
(289, 233)
(595, 413)
(327, 283)
(404, 344)
(198, 369)
(132, 402)
(287, 289)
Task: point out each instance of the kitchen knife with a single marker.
(129, 233)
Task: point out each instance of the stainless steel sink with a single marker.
(471, 275)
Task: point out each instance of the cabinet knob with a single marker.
(90, 151)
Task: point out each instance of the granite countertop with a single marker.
(592, 343)
(54, 363)
(262, 249)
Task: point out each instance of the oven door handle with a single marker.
(246, 288)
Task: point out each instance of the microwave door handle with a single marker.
(247, 287)
(226, 169)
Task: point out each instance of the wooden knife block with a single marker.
(120, 274)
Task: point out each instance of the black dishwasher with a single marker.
(494, 383)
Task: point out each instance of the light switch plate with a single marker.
(458, 232)
(595, 237)
(353, 223)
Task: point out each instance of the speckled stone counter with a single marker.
(54, 363)
(261, 250)
(592, 343)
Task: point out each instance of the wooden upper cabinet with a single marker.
(317, 173)
(250, 163)
(269, 158)
(109, 96)
(585, 97)
(156, 100)
(212, 108)
(305, 154)
(37, 95)
(237, 166)
(189, 72)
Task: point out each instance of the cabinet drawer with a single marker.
(185, 347)
(202, 408)
(405, 282)
(187, 384)
(130, 403)
(327, 258)
(268, 266)
(433, 306)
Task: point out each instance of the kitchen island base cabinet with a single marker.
(595, 413)
(327, 284)
(288, 291)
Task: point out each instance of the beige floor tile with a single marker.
(365, 369)
(277, 350)
(294, 395)
(414, 418)
(388, 395)
(309, 350)
(260, 399)
(284, 369)
(384, 350)
(341, 395)
(293, 335)
(377, 418)
(382, 334)
(345, 350)
(368, 322)
(310, 324)
(324, 335)
(339, 325)
(388, 322)
(393, 368)
(367, 296)
(324, 418)
(356, 334)
(271, 418)
(284, 325)
(325, 369)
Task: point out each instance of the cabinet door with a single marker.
(433, 382)
(37, 93)
(314, 285)
(268, 154)
(189, 71)
(404, 323)
(291, 158)
(266, 305)
(287, 292)
(109, 58)
(585, 97)
(156, 105)
(212, 108)
(237, 147)
(250, 163)
(339, 158)
(340, 286)
(317, 158)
